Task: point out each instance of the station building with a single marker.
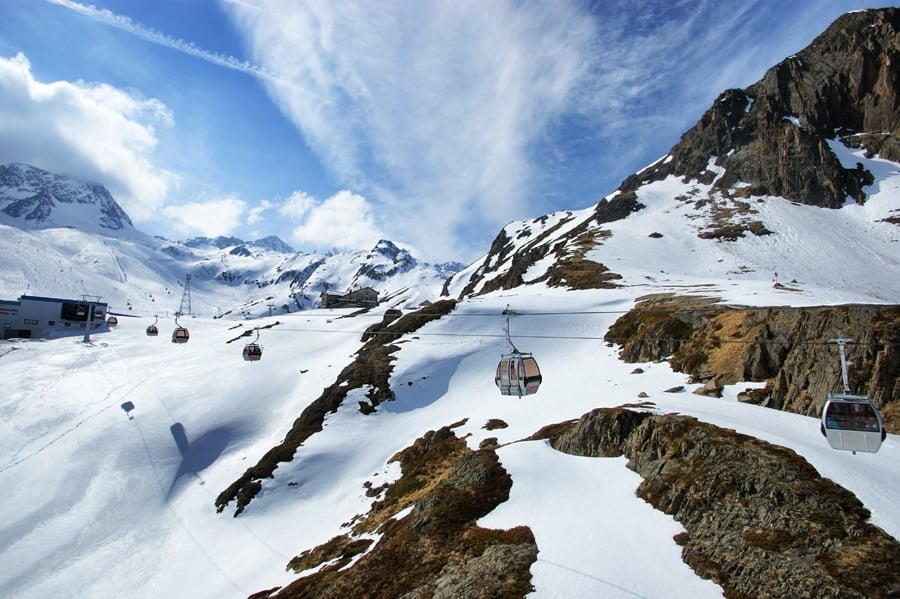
(49, 317)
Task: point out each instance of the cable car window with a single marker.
(531, 368)
(504, 369)
(851, 416)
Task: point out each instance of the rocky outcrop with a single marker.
(760, 521)
(436, 550)
(376, 269)
(786, 347)
(773, 136)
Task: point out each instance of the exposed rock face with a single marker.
(773, 135)
(436, 551)
(760, 520)
(785, 347)
(376, 269)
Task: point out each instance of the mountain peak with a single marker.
(274, 243)
(772, 137)
(33, 198)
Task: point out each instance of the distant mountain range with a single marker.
(68, 237)
(272, 242)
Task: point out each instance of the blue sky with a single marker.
(333, 124)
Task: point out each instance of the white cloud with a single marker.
(297, 206)
(255, 214)
(209, 218)
(343, 221)
(91, 131)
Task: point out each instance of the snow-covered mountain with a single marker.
(62, 237)
(373, 455)
(32, 198)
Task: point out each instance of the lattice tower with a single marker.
(185, 307)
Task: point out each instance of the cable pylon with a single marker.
(185, 308)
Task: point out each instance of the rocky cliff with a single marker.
(785, 347)
(773, 136)
(436, 550)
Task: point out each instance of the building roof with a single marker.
(37, 298)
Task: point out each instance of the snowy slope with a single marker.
(105, 505)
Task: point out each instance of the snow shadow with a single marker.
(128, 407)
(199, 454)
(419, 391)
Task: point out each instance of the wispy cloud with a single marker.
(449, 119)
(465, 114)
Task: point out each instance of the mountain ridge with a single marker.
(771, 136)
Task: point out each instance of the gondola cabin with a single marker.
(180, 335)
(152, 330)
(112, 321)
(252, 352)
(852, 423)
(518, 374)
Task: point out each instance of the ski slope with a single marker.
(113, 501)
